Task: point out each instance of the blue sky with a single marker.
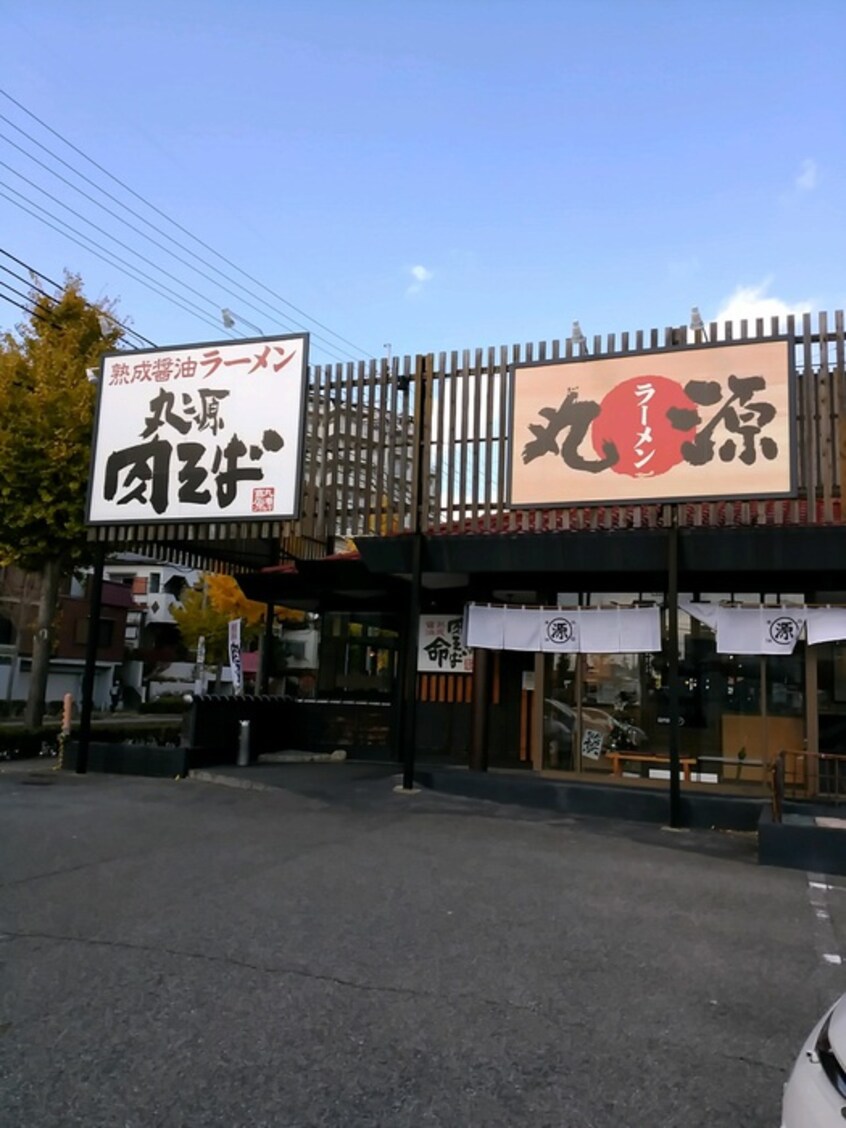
(439, 174)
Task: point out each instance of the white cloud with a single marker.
(420, 275)
(806, 181)
(751, 302)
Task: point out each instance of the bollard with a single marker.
(243, 744)
(65, 731)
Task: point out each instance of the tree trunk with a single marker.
(42, 644)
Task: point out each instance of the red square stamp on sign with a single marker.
(263, 499)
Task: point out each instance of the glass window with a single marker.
(358, 654)
(560, 719)
(612, 714)
(785, 677)
(831, 694)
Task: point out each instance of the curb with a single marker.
(338, 757)
(230, 781)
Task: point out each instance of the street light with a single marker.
(229, 319)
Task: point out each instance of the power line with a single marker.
(31, 312)
(127, 268)
(28, 282)
(175, 224)
(168, 250)
(30, 268)
(126, 223)
(120, 243)
(102, 231)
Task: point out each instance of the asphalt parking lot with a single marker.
(328, 952)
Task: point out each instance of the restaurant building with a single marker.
(688, 479)
(649, 523)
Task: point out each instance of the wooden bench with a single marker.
(619, 758)
(747, 768)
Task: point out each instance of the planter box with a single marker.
(130, 759)
(800, 842)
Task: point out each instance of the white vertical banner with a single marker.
(235, 657)
(200, 667)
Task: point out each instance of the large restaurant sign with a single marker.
(677, 424)
(209, 432)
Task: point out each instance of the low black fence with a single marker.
(278, 724)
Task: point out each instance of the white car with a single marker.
(815, 1095)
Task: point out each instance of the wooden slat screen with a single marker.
(362, 430)
(466, 436)
(442, 688)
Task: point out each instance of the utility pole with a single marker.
(95, 605)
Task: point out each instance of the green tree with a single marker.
(206, 609)
(46, 422)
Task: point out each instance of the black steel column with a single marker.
(481, 711)
(95, 604)
(419, 508)
(673, 666)
(409, 713)
(266, 656)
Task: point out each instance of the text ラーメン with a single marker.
(715, 421)
(206, 432)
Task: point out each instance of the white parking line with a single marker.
(826, 942)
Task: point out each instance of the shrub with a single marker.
(21, 744)
(169, 703)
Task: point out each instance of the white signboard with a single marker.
(439, 646)
(205, 432)
(199, 669)
(235, 665)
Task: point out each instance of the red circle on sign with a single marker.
(633, 416)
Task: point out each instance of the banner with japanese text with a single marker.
(706, 422)
(440, 647)
(205, 432)
(236, 666)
